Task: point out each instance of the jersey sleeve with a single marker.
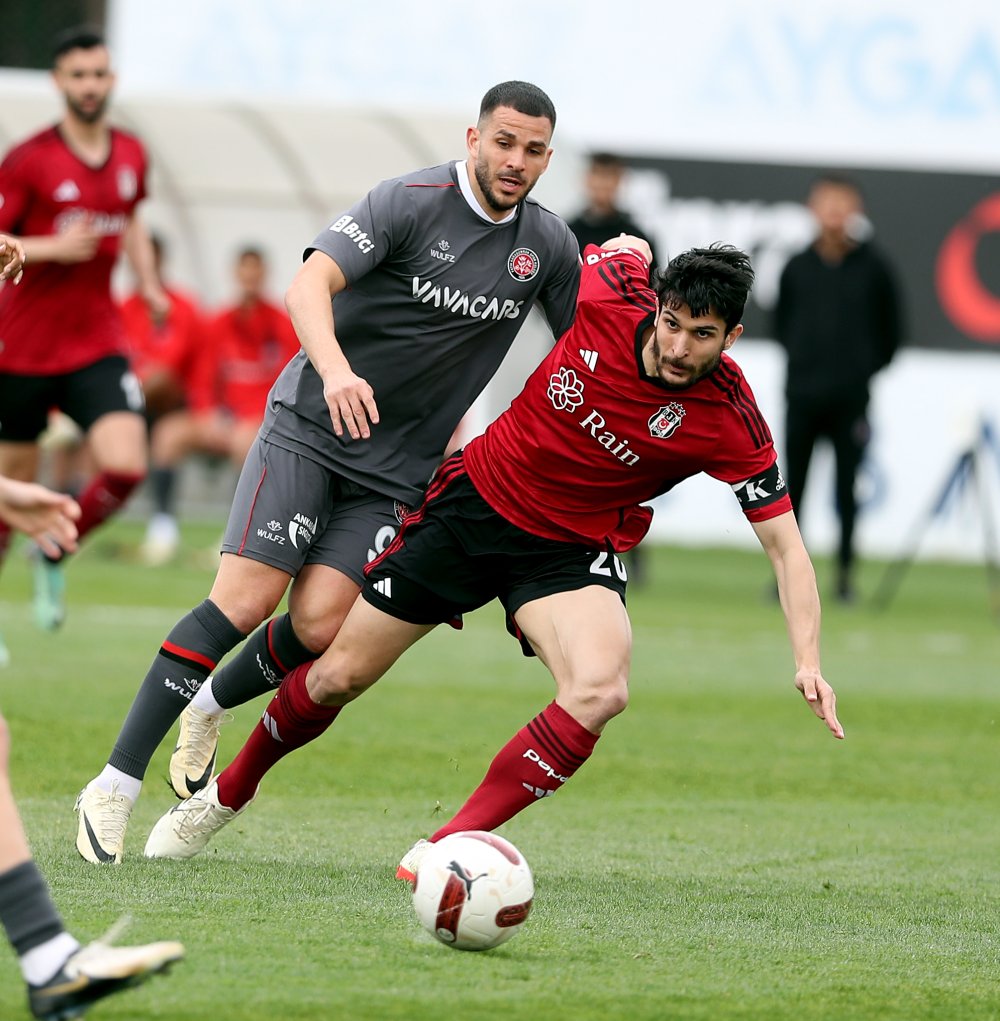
(746, 459)
(558, 296)
(368, 233)
(615, 275)
(15, 193)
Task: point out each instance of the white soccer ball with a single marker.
(473, 890)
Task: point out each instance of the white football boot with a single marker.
(411, 861)
(100, 836)
(192, 765)
(188, 827)
(98, 970)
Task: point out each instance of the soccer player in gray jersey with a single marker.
(431, 276)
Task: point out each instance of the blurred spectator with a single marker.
(602, 218)
(599, 221)
(838, 317)
(247, 346)
(164, 349)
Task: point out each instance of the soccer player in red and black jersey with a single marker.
(70, 192)
(638, 395)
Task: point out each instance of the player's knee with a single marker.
(315, 631)
(595, 700)
(336, 679)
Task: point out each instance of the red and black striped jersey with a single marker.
(592, 437)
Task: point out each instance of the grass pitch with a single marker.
(721, 856)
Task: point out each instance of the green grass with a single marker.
(721, 856)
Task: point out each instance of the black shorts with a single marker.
(85, 395)
(455, 553)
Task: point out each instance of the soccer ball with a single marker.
(473, 890)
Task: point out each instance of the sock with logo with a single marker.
(534, 763)
(32, 923)
(188, 655)
(270, 652)
(291, 720)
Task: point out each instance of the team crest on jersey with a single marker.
(128, 186)
(522, 264)
(666, 421)
(401, 511)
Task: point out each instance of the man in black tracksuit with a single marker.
(838, 317)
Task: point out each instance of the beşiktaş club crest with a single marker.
(128, 184)
(666, 421)
(522, 264)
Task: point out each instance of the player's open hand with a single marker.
(11, 258)
(352, 404)
(48, 517)
(821, 699)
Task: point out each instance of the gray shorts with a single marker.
(289, 511)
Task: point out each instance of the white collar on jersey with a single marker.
(470, 196)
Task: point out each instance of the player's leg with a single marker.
(169, 440)
(360, 526)
(24, 401)
(399, 605)
(584, 638)
(253, 575)
(307, 702)
(105, 400)
(61, 977)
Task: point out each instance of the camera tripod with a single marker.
(965, 475)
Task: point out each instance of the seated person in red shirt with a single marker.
(247, 346)
(164, 350)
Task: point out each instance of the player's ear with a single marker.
(731, 336)
(472, 141)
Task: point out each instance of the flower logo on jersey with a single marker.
(128, 186)
(522, 264)
(565, 390)
(666, 421)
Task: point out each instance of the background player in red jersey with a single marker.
(637, 396)
(251, 341)
(71, 193)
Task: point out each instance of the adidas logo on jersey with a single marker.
(384, 587)
(590, 357)
(66, 192)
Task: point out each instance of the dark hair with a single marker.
(606, 161)
(79, 37)
(250, 252)
(710, 281)
(521, 96)
(836, 179)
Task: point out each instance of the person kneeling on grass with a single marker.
(637, 396)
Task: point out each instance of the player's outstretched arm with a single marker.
(637, 244)
(48, 517)
(796, 579)
(350, 398)
(11, 258)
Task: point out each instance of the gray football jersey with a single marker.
(435, 297)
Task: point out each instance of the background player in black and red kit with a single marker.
(71, 193)
(638, 396)
(431, 276)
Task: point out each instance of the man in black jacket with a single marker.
(839, 318)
